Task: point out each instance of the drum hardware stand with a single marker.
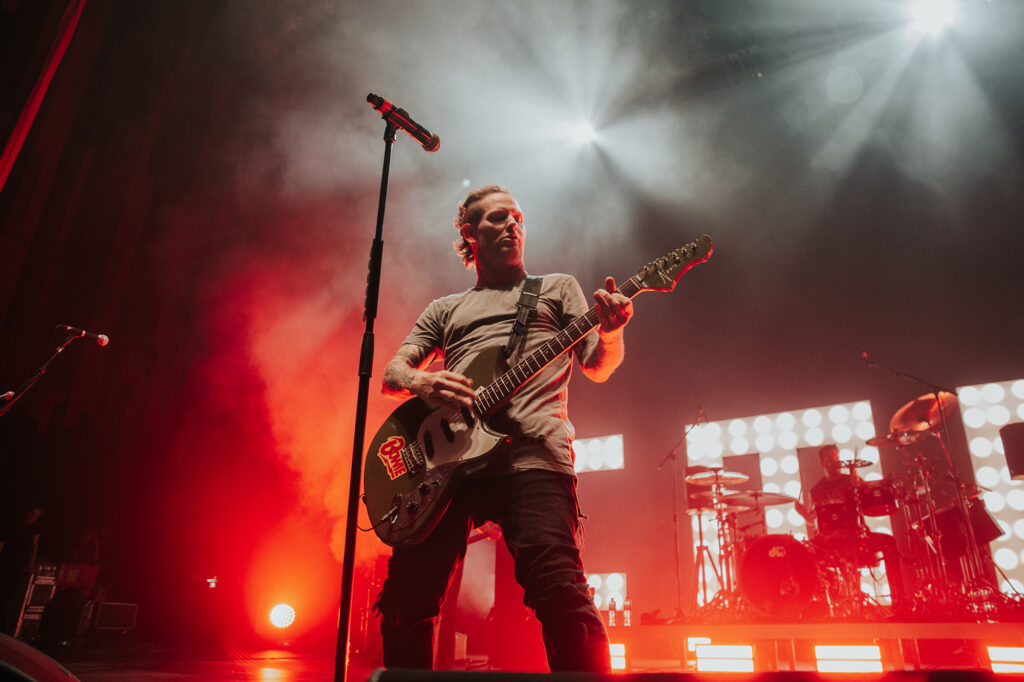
(974, 576)
(703, 558)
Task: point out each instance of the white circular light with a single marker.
(617, 596)
(786, 421)
(598, 602)
(595, 461)
(998, 415)
(974, 417)
(992, 393)
(787, 440)
(792, 488)
(765, 443)
(1006, 558)
(997, 445)
(594, 446)
(715, 449)
(771, 488)
(1018, 528)
(773, 517)
(1020, 411)
(865, 430)
(790, 464)
(811, 417)
(714, 430)
(1015, 498)
(737, 427)
(861, 411)
(614, 582)
(794, 518)
(994, 502)
(870, 453)
(987, 476)
(981, 447)
(595, 581)
(282, 615)
(579, 463)
(841, 433)
(614, 457)
(838, 414)
(1004, 475)
(814, 436)
(739, 446)
(769, 466)
(763, 424)
(1017, 388)
(872, 476)
(969, 396)
(1014, 587)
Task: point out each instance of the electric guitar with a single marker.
(423, 450)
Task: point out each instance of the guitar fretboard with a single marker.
(514, 377)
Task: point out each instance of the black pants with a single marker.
(538, 515)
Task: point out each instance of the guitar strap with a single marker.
(527, 302)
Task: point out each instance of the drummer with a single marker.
(845, 530)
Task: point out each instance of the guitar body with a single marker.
(417, 458)
(421, 452)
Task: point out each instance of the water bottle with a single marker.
(611, 613)
(627, 606)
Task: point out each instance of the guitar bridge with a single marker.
(412, 455)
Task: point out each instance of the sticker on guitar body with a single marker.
(390, 454)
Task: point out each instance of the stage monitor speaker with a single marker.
(19, 662)
(1013, 445)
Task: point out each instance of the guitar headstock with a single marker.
(663, 273)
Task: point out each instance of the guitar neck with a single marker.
(514, 377)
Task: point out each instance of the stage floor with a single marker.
(657, 648)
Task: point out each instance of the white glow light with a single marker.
(582, 133)
(932, 16)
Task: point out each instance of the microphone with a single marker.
(400, 119)
(76, 333)
(702, 415)
(864, 354)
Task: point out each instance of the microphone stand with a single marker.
(974, 563)
(365, 371)
(8, 399)
(675, 511)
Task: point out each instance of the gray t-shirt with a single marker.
(459, 326)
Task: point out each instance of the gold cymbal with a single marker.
(923, 413)
(716, 476)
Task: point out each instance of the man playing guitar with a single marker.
(530, 491)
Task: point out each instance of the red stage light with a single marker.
(282, 615)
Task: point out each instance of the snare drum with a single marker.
(878, 498)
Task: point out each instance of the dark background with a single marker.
(200, 184)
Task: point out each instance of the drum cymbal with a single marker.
(895, 439)
(757, 498)
(855, 463)
(923, 413)
(715, 476)
(709, 507)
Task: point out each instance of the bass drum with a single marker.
(778, 577)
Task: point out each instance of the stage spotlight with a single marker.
(282, 616)
(932, 16)
(582, 133)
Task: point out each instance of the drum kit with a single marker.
(777, 575)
